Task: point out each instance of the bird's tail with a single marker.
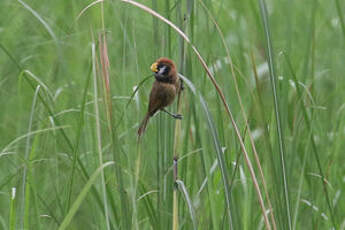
(143, 124)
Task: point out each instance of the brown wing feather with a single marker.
(155, 100)
(162, 95)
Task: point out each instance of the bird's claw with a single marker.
(178, 116)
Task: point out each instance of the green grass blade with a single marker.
(25, 196)
(78, 137)
(341, 16)
(39, 18)
(148, 203)
(13, 211)
(19, 67)
(273, 77)
(98, 132)
(234, 77)
(220, 157)
(313, 143)
(49, 109)
(221, 47)
(189, 202)
(74, 208)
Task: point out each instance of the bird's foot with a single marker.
(178, 116)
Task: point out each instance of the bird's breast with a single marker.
(167, 89)
(166, 92)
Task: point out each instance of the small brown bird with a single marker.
(164, 90)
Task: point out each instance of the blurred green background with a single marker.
(63, 117)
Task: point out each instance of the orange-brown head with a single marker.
(165, 70)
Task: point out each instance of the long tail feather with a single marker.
(143, 124)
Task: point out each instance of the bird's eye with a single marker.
(163, 70)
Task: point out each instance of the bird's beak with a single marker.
(154, 67)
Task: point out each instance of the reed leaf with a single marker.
(280, 137)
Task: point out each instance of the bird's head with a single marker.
(164, 70)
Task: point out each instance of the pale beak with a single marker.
(154, 67)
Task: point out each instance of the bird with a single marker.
(164, 90)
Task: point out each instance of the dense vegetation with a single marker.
(261, 144)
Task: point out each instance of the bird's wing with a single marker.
(162, 94)
(155, 99)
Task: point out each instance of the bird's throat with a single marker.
(165, 79)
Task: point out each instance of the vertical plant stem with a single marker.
(177, 140)
(76, 147)
(135, 186)
(175, 198)
(272, 75)
(116, 149)
(177, 137)
(257, 160)
(27, 74)
(82, 195)
(25, 186)
(257, 157)
(98, 134)
(300, 185)
(13, 213)
(220, 158)
(340, 15)
(102, 16)
(313, 144)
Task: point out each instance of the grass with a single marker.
(260, 145)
